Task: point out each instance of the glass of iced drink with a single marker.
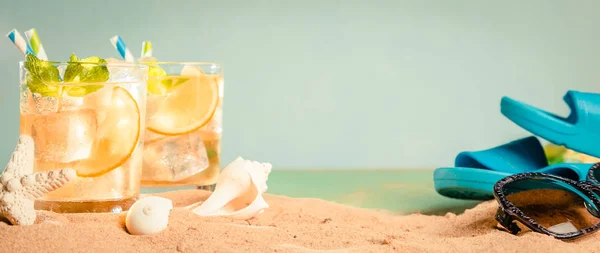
(86, 115)
(183, 124)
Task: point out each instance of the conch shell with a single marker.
(148, 215)
(239, 191)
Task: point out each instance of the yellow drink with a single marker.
(182, 144)
(98, 134)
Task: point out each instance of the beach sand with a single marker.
(289, 225)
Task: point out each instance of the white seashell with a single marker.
(148, 215)
(239, 191)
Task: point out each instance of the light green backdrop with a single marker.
(339, 84)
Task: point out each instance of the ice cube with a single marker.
(150, 137)
(189, 70)
(153, 104)
(119, 73)
(215, 123)
(27, 105)
(50, 105)
(100, 101)
(45, 105)
(174, 158)
(114, 60)
(65, 136)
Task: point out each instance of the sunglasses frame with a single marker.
(508, 213)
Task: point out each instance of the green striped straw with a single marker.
(36, 45)
(146, 49)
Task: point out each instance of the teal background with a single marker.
(339, 84)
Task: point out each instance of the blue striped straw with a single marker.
(122, 48)
(19, 42)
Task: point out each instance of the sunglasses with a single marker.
(549, 204)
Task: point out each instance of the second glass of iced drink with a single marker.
(182, 140)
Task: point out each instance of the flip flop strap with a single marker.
(523, 155)
(585, 110)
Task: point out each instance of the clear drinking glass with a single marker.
(184, 124)
(95, 128)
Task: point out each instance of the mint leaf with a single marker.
(80, 91)
(94, 72)
(42, 76)
(89, 70)
(163, 86)
(154, 86)
(168, 83)
(73, 69)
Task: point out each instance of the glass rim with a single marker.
(181, 63)
(137, 63)
(111, 64)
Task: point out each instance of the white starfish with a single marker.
(19, 187)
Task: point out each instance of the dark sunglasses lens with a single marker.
(557, 206)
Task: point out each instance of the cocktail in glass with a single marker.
(87, 116)
(183, 125)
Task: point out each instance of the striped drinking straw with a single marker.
(35, 44)
(146, 49)
(19, 42)
(121, 48)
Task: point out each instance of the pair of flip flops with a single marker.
(476, 172)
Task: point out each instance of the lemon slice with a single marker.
(116, 137)
(188, 106)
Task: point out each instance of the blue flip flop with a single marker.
(580, 131)
(475, 173)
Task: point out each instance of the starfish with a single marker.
(19, 186)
